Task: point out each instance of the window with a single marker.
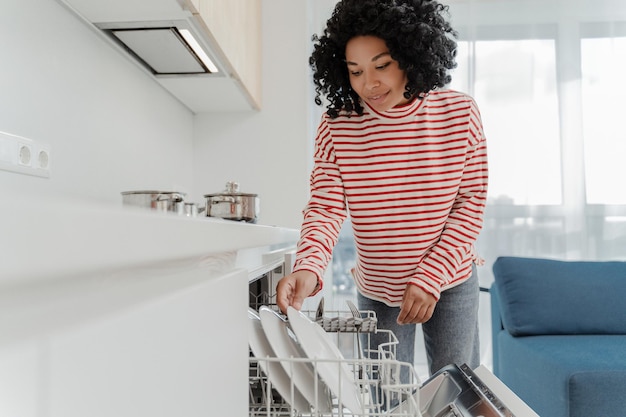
(603, 62)
(514, 83)
(551, 98)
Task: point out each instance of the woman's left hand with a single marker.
(417, 306)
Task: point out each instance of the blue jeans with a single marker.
(450, 336)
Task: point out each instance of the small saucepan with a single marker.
(232, 204)
(165, 201)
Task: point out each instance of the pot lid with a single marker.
(232, 189)
(230, 194)
(151, 192)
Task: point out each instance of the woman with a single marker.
(407, 160)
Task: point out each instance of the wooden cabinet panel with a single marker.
(236, 26)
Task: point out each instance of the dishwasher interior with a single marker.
(368, 381)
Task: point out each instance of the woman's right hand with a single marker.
(417, 305)
(292, 289)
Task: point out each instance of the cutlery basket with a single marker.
(332, 321)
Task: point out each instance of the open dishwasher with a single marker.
(312, 364)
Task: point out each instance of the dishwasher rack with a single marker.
(376, 375)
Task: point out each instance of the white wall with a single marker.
(111, 127)
(266, 152)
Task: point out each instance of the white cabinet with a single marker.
(160, 346)
(174, 356)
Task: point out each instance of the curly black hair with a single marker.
(416, 32)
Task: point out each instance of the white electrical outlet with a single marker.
(24, 156)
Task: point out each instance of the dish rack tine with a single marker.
(358, 321)
(354, 310)
(319, 313)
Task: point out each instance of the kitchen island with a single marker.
(120, 311)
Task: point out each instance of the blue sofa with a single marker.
(559, 334)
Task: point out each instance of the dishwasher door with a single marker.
(458, 391)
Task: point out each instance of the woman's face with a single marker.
(374, 75)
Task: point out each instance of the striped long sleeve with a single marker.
(414, 182)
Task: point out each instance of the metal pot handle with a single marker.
(175, 197)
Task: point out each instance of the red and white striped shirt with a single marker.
(414, 181)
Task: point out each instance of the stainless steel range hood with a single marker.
(169, 40)
(164, 50)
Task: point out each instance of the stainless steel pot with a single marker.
(232, 204)
(165, 201)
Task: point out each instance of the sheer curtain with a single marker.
(547, 76)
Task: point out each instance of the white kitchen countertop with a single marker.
(45, 238)
(65, 262)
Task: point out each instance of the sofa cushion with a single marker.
(543, 296)
(597, 393)
(556, 375)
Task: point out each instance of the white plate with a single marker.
(316, 344)
(284, 345)
(273, 370)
